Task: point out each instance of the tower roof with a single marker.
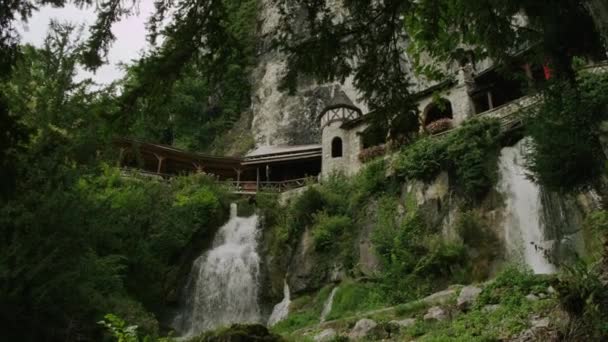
(340, 100)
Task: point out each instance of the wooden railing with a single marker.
(253, 187)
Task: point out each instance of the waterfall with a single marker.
(523, 225)
(223, 284)
(281, 310)
(328, 304)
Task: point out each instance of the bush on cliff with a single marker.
(469, 154)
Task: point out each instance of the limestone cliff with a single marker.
(278, 117)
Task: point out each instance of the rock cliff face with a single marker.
(278, 117)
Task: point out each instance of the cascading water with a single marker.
(223, 285)
(523, 225)
(281, 310)
(328, 304)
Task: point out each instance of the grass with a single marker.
(353, 298)
(304, 311)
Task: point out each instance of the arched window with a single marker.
(440, 109)
(336, 147)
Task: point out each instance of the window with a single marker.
(440, 109)
(336, 147)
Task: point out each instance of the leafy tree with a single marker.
(78, 240)
(553, 31)
(366, 41)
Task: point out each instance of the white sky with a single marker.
(130, 35)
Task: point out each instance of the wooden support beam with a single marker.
(160, 162)
(121, 156)
(238, 177)
(257, 179)
(490, 100)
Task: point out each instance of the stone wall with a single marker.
(349, 163)
(462, 107)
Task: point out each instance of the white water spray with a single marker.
(281, 310)
(328, 304)
(523, 227)
(222, 287)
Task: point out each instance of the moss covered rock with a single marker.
(239, 333)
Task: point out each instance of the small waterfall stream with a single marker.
(523, 225)
(281, 310)
(328, 304)
(224, 282)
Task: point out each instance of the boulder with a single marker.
(468, 295)
(363, 328)
(440, 298)
(405, 322)
(532, 297)
(436, 313)
(538, 323)
(325, 335)
(408, 322)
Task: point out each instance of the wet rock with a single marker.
(325, 335)
(363, 328)
(468, 296)
(408, 322)
(436, 313)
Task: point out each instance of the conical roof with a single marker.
(340, 100)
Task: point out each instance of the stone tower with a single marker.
(341, 126)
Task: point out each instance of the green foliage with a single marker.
(469, 153)
(582, 294)
(415, 259)
(511, 286)
(319, 47)
(203, 95)
(566, 153)
(239, 332)
(481, 242)
(508, 319)
(422, 160)
(78, 238)
(119, 329)
(304, 311)
(353, 298)
(448, 31)
(327, 230)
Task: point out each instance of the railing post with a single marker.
(257, 179)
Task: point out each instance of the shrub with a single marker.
(372, 153)
(567, 153)
(353, 297)
(304, 207)
(583, 295)
(422, 160)
(511, 285)
(415, 259)
(469, 153)
(327, 230)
